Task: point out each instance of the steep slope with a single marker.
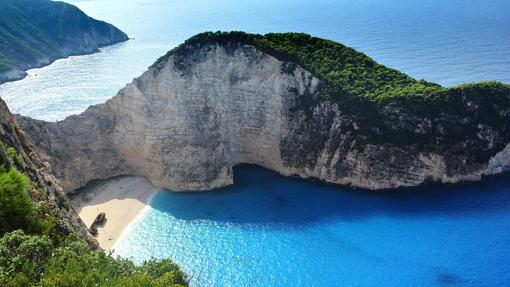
(43, 242)
(16, 152)
(289, 102)
(34, 33)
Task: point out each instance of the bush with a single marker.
(32, 260)
(16, 206)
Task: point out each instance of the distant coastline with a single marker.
(47, 31)
(18, 75)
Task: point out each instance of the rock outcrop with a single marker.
(190, 118)
(67, 220)
(34, 33)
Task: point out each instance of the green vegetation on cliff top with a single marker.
(388, 106)
(348, 74)
(34, 253)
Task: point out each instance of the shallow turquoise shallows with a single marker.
(268, 230)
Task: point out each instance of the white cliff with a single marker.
(186, 122)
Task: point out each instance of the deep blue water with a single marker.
(268, 230)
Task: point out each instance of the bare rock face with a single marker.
(182, 129)
(187, 121)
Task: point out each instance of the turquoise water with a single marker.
(449, 42)
(271, 231)
(267, 230)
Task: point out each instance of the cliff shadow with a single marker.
(260, 196)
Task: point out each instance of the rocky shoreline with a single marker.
(17, 74)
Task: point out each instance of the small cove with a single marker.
(267, 230)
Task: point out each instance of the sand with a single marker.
(122, 199)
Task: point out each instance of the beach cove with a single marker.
(266, 230)
(269, 224)
(123, 200)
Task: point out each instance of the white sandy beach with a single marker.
(122, 199)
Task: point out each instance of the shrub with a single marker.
(32, 260)
(16, 206)
(16, 158)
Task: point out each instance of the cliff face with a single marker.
(34, 33)
(188, 120)
(182, 129)
(67, 220)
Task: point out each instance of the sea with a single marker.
(267, 230)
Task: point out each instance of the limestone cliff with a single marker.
(56, 201)
(34, 33)
(211, 105)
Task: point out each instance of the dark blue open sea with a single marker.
(267, 230)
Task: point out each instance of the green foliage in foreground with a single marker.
(16, 207)
(22, 205)
(351, 77)
(33, 260)
(35, 254)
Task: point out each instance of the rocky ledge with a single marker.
(222, 99)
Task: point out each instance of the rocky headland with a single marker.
(292, 103)
(34, 33)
